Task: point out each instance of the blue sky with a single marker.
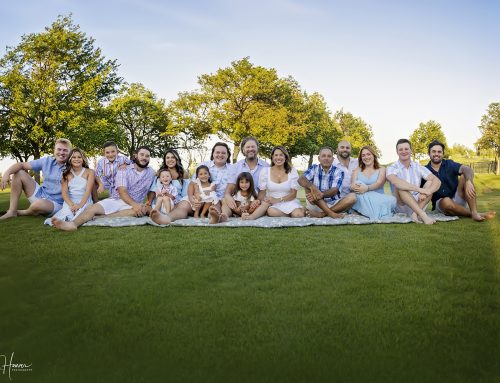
(393, 63)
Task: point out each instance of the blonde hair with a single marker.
(64, 141)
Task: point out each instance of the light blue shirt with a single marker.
(52, 174)
(242, 166)
(220, 176)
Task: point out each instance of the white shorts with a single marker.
(111, 205)
(55, 206)
(456, 198)
(312, 207)
(405, 209)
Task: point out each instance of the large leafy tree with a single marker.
(142, 118)
(321, 130)
(243, 100)
(356, 131)
(53, 84)
(423, 136)
(490, 130)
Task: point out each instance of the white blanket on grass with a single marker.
(263, 221)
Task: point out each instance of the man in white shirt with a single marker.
(347, 164)
(405, 177)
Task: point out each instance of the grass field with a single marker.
(370, 303)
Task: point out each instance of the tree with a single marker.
(490, 130)
(321, 130)
(423, 136)
(356, 131)
(142, 118)
(52, 85)
(459, 150)
(244, 100)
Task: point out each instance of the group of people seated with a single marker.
(251, 188)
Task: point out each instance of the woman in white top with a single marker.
(278, 183)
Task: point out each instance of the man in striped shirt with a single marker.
(322, 183)
(131, 186)
(405, 177)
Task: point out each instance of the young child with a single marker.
(166, 193)
(76, 184)
(106, 169)
(245, 195)
(203, 189)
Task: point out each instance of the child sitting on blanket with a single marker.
(244, 196)
(203, 190)
(166, 193)
(106, 169)
(76, 185)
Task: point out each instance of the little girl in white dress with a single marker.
(76, 184)
(203, 189)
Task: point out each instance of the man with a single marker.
(405, 177)
(131, 187)
(44, 199)
(322, 183)
(253, 165)
(347, 164)
(457, 187)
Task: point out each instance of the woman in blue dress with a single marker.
(368, 182)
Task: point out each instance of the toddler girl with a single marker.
(166, 193)
(203, 189)
(245, 196)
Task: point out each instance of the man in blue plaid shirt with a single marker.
(322, 183)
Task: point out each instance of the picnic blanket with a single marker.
(264, 222)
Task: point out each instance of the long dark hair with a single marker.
(288, 162)
(67, 165)
(178, 164)
(248, 177)
(207, 169)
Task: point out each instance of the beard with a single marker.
(436, 161)
(345, 155)
(138, 163)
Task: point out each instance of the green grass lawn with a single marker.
(369, 303)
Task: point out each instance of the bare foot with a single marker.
(214, 215)
(488, 214)
(477, 217)
(223, 217)
(63, 225)
(245, 216)
(336, 215)
(160, 219)
(316, 214)
(9, 214)
(427, 220)
(24, 212)
(414, 218)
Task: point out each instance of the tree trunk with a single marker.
(310, 162)
(236, 151)
(498, 162)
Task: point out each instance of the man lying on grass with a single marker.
(132, 185)
(457, 188)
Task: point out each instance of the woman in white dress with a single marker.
(76, 186)
(278, 183)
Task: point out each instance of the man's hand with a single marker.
(470, 190)
(316, 193)
(138, 210)
(100, 189)
(5, 181)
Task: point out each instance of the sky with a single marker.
(393, 63)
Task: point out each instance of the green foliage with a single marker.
(141, 118)
(53, 84)
(490, 130)
(423, 136)
(321, 130)
(356, 131)
(356, 303)
(459, 150)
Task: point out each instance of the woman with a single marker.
(220, 170)
(368, 183)
(172, 162)
(278, 183)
